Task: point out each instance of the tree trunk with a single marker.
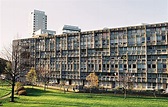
(13, 87)
(90, 92)
(44, 86)
(64, 89)
(125, 93)
(154, 93)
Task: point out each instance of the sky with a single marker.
(87, 14)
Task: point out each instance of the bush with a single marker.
(160, 91)
(20, 88)
(17, 86)
(22, 92)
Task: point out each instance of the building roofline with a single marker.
(111, 29)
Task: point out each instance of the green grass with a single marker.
(53, 98)
(4, 82)
(4, 90)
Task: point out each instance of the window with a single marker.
(164, 65)
(134, 65)
(74, 66)
(92, 66)
(159, 38)
(159, 65)
(148, 30)
(120, 65)
(143, 39)
(125, 66)
(163, 38)
(163, 28)
(153, 66)
(116, 66)
(107, 66)
(138, 40)
(104, 66)
(112, 66)
(99, 66)
(129, 66)
(148, 38)
(149, 65)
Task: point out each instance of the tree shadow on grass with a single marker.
(68, 95)
(101, 96)
(62, 104)
(35, 92)
(148, 97)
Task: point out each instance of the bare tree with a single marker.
(127, 82)
(43, 75)
(93, 80)
(17, 63)
(62, 84)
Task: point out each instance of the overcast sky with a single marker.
(87, 14)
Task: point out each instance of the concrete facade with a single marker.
(141, 52)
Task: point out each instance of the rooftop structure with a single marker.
(44, 31)
(70, 29)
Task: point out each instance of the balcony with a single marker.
(152, 80)
(132, 71)
(163, 70)
(164, 80)
(152, 70)
(108, 78)
(151, 42)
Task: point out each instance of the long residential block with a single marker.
(139, 52)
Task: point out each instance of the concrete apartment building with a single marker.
(38, 20)
(38, 23)
(140, 52)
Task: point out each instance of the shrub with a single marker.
(20, 88)
(160, 91)
(22, 92)
(17, 86)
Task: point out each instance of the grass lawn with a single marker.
(53, 98)
(4, 90)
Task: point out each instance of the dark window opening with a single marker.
(153, 66)
(149, 65)
(134, 65)
(125, 66)
(116, 66)
(104, 65)
(163, 38)
(107, 66)
(99, 66)
(92, 66)
(164, 65)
